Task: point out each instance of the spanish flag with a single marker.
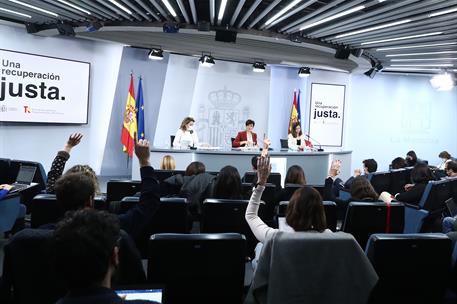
(295, 111)
(129, 128)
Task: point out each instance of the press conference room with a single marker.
(228, 151)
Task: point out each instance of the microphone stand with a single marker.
(320, 146)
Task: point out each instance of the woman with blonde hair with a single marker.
(168, 163)
(186, 137)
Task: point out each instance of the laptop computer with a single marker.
(148, 293)
(24, 178)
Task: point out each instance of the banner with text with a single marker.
(327, 114)
(41, 89)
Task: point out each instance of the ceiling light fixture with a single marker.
(417, 46)
(374, 28)
(443, 65)
(169, 8)
(121, 6)
(452, 10)
(14, 12)
(422, 54)
(282, 12)
(410, 69)
(35, 8)
(207, 61)
(221, 10)
(336, 16)
(402, 38)
(156, 54)
(259, 67)
(74, 6)
(442, 82)
(304, 72)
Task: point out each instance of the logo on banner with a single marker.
(3, 108)
(27, 109)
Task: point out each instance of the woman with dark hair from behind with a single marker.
(398, 163)
(227, 184)
(295, 177)
(420, 176)
(412, 159)
(305, 211)
(362, 190)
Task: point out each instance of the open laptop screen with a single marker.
(141, 294)
(25, 175)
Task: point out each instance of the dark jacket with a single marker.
(28, 267)
(194, 188)
(98, 295)
(412, 196)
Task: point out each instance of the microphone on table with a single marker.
(320, 146)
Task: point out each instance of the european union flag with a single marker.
(140, 111)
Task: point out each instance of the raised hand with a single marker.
(142, 151)
(266, 146)
(73, 141)
(263, 169)
(357, 172)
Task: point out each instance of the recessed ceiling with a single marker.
(402, 35)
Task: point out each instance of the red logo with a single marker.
(27, 109)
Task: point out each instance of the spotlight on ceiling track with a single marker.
(304, 72)
(156, 54)
(442, 82)
(372, 72)
(207, 61)
(259, 67)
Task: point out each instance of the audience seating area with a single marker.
(209, 267)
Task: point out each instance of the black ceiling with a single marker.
(404, 35)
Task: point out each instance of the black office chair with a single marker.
(380, 181)
(232, 139)
(284, 144)
(172, 139)
(198, 268)
(226, 216)
(366, 218)
(5, 176)
(412, 268)
(116, 190)
(329, 209)
(162, 175)
(44, 210)
(398, 179)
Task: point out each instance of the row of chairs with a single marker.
(391, 181)
(210, 268)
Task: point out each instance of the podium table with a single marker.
(315, 164)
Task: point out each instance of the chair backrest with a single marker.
(226, 216)
(284, 143)
(412, 268)
(29, 268)
(45, 210)
(274, 178)
(9, 211)
(116, 190)
(329, 209)
(172, 139)
(164, 174)
(435, 195)
(198, 268)
(366, 218)
(267, 210)
(380, 181)
(453, 185)
(398, 179)
(5, 173)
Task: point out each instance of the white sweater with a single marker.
(261, 230)
(185, 137)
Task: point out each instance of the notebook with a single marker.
(451, 207)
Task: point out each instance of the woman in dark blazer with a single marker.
(247, 137)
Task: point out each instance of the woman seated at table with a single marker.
(246, 138)
(186, 136)
(296, 140)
